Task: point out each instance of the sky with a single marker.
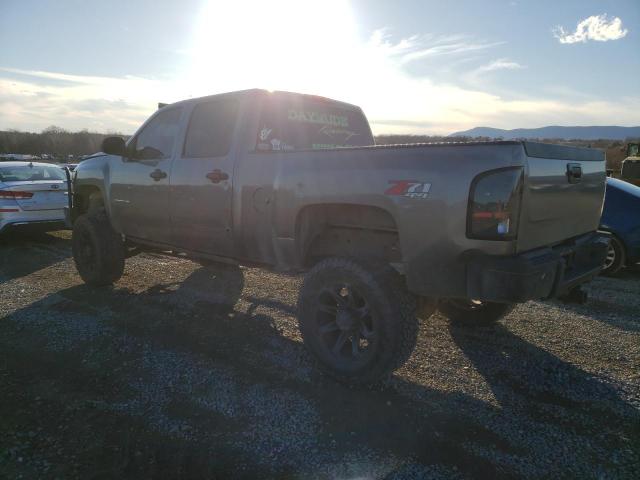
(414, 66)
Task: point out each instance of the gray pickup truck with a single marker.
(385, 234)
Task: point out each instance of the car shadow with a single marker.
(528, 380)
(611, 300)
(630, 272)
(25, 252)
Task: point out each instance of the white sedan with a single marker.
(32, 194)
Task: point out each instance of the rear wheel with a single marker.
(98, 251)
(615, 258)
(472, 313)
(357, 319)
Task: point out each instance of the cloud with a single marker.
(597, 27)
(418, 47)
(33, 100)
(500, 64)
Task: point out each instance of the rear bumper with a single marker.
(537, 274)
(34, 219)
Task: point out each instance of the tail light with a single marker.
(494, 204)
(15, 194)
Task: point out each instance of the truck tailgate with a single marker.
(563, 194)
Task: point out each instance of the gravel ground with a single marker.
(182, 371)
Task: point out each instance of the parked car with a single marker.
(621, 217)
(32, 195)
(385, 233)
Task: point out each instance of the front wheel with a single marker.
(357, 319)
(474, 313)
(98, 251)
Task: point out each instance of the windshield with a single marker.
(30, 173)
(300, 123)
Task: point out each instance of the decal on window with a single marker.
(264, 133)
(317, 117)
(345, 135)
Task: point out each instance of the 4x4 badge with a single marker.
(409, 188)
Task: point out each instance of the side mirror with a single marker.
(114, 146)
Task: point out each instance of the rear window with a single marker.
(27, 173)
(302, 124)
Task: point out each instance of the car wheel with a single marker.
(474, 313)
(615, 258)
(357, 319)
(98, 251)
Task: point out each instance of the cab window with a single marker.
(157, 138)
(211, 129)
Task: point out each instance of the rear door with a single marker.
(140, 180)
(563, 194)
(202, 179)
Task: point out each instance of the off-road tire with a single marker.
(484, 314)
(613, 266)
(98, 251)
(392, 318)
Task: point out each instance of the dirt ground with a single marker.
(184, 371)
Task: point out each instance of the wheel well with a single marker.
(87, 197)
(347, 230)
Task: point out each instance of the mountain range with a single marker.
(568, 133)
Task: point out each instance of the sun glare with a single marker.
(278, 45)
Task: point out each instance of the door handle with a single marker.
(574, 172)
(217, 176)
(158, 174)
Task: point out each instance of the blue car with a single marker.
(621, 217)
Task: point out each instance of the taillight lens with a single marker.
(494, 204)
(15, 194)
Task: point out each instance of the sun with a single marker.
(277, 45)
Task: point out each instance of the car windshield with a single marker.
(30, 173)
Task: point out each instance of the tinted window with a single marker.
(211, 128)
(303, 123)
(26, 173)
(156, 140)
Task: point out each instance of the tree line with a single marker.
(53, 140)
(61, 143)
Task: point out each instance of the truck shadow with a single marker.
(243, 350)
(25, 252)
(235, 348)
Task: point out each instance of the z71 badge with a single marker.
(409, 188)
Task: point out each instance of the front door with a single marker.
(202, 180)
(140, 180)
